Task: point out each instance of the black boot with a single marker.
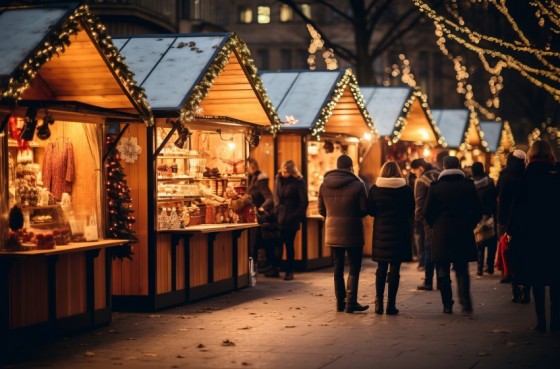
(392, 294)
(515, 293)
(554, 308)
(340, 293)
(538, 295)
(352, 304)
(525, 296)
(491, 257)
(446, 294)
(480, 261)
(379, 291)
(463, 285)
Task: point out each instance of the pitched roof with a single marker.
(319, 101)
(62, 53)
(453, 124)
(492, 134)
(401, 114)
(199, 75)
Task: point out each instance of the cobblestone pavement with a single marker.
(294, 324)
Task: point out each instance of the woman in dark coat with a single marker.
(533, 231)
(487, 193)
(453, 210)
(290, 206)
(391, 203)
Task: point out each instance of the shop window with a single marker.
(286, 58)
(263, 14)
(263, 59)
(245, 14)
(286, 13)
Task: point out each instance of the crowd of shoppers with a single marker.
(452, 204)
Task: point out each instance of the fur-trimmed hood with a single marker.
(390, 182)
(451, 172)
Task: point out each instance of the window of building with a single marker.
(306, 9)
(263, 14)
(245, 14)
(302, 56)
(263, 61)
(286, 13)
(286, 58)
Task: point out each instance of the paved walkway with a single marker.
(280, 324)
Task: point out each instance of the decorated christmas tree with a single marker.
(119, 204)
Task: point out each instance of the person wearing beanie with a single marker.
(425, 174)
(342, 201)
(485, 232)
(506, 187)
(533, 232)
(391, 203)
(453, 210)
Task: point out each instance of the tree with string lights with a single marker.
(120, 216)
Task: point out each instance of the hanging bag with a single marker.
(90, 229)
(484, 230)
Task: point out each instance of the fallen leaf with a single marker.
(180, 357)
(200, 345)
(290, 326)
(150, 354)
(245, 363)
(246, 327)
(497, 330)
(227, 342)
(482, 354)
(89, 354)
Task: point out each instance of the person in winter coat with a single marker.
(453, 210)
(533, 231)
(290, 206)
(426, 174)
(507, 185)
(342, 201)
(261, 196)
(487, 193)
(391, 203)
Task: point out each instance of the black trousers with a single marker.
(350, 292)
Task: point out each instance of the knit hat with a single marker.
(520, 154)
(450, 162)
(344, 162)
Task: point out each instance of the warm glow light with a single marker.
(452, 153)
(352, 139)
(367, 136)
(231, 145)
(425, 135)
(427, 152)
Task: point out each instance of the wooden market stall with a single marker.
(501, 142)
(463, 134)
(210, 108)
(62, 81)
(325, 117)
(406, 129)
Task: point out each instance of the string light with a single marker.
(317, 44)
(58, 40)
(232, 45)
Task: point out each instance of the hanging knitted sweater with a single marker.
(58, 168)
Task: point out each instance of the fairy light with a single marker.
(317, 44)
(58, 40)
(232, 45)
(496, 54)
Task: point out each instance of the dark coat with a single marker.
(453, 210)
(342, 201)
(421, 187)
(486, 193)
(290, 202)
(533, 225)
(391, 203)
(507, 185)
(259, 191)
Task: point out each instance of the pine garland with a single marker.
(120, 216)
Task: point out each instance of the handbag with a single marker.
(484, 230)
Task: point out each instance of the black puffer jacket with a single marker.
(507, 185)
(391, 203)
(259, 191)
(342, 201)
(453, 210)
(290, 202)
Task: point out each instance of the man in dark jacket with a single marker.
(453, 210)
(342, 201)
(426, 174)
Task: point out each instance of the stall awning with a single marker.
(62, 53)
(498, 135)
(319, 102)
(402, 114)
(459, 129)
(199, 76)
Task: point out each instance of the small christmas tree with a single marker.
(119, 204)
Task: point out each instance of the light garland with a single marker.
(347, 80)
(56, 42)
(317, 44)
(504, 54)
(235, 45)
